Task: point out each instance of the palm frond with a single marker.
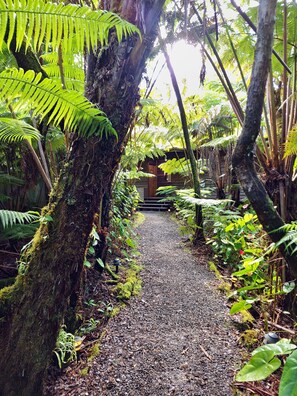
(12, 130)
(48, 24)
(46, 97)
(9, 217)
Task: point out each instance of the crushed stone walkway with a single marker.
(177, 338)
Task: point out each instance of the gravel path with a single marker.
(177, 338)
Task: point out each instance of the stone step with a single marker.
(153, 204)
(152, 208)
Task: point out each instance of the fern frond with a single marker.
(206, 202)
(291, 142)
(48, 24)
(9, 180)
(290, 238)
(19, 231)
(46, 97)
(175, 165)
(74, 76)
(6, 58)
(224, 141)
(289, 227)
(10, 217)
(12, 130)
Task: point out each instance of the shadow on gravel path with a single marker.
(177, 338)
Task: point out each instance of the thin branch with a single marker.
(251, 24)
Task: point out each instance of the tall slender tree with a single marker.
(243, 156)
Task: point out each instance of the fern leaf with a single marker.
(291, 143)
(224, 141)
(46, 97)
(10, 217)
(12, 130)
(206, 202)
(9, 180)
(45, 23)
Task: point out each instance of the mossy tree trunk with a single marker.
(243, 156)
(32, 310)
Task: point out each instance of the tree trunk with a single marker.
(33, 309)
(243, 156)
(199, 235)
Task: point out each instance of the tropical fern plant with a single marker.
(9, 218)
(72, 69)
(49, 25)
(47, 98)
(289, 239)
(14, 130)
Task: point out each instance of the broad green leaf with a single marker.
(130, 242)
(239, 306)
(251, 287)
(230, 227)
(280, 348)
(91, 250)
(288, 287)
(100, 262)
(250, 268)
(87, 264)
(260, 366)
(288, 383)
(248, 217)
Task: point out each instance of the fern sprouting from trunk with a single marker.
(47, 24)
(44, 97)
(9, 218)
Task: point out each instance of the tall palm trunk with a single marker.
(33, 309)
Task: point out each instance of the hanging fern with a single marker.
(47, 24)
(9, 217)
(45, 97)
(12, 130)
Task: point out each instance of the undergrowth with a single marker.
(251, 274)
